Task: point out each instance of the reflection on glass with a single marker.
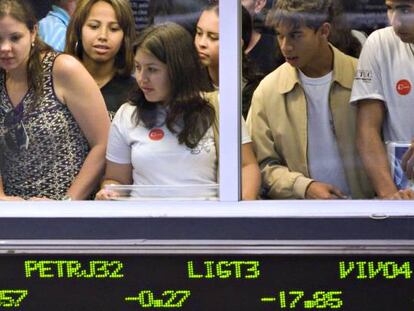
(206, 192)
(301, 122)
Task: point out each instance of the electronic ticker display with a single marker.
(206, 282)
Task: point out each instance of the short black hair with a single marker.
(298, 13)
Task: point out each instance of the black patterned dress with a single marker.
(56, 147)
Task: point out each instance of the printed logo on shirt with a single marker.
(156, 134)
(403, 87)
(364, 75)
(204, 144)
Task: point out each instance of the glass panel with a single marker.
(313, 132)
(144, 13)
(207, 192)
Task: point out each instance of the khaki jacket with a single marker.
(277, 122)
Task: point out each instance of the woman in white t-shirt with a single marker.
(165, 135)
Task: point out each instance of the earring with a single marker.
(32, 44)
(78, 47)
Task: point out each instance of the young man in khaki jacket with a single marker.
(301, 123)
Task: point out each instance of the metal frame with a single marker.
(229, 101)
(216, 247)
(229, 204)
(374, 209)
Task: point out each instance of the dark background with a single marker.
(159, 273)
(41, 7)
(374, 11)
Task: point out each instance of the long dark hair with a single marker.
(250, 74)
(23, 12)
(213, 6)
(173, 45)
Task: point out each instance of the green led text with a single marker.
(224, 270)
(11, 298)
(297, 299)
(168, 299)
(73, 269)
(372, 269)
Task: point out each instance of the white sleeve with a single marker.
(119, 149)
(245, 139)
(367, 82)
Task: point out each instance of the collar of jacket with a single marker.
(61, 14)
(344, 75)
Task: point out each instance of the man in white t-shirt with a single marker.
(300, 120)
(383, 92)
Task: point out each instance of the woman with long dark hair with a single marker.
(100, 34)
(166, 134)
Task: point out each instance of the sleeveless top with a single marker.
(57, 147)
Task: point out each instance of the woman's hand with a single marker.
(105, 194)
(115, 174)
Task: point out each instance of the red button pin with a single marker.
(403, 87)
(156, 134)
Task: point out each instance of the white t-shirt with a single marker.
(156, 156)
(324, 161)
(245, 137)
(245, 134)
(386, 72)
